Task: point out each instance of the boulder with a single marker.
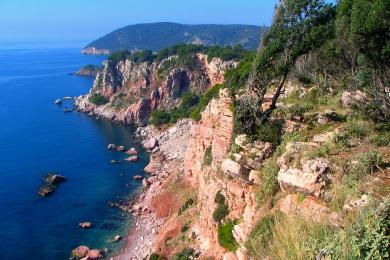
(132, 158)
(117, 238)
(254, 177)
(138, 177)
(112, 147)
(229, 166)
(85, 225)
(54, 179)
(242, 254)
(94, 254)
(229, 256)
(121, 148)
(150, 144)
(300, 174)
(80, 252)
(132, 151)
(357, 203)
(351, 98)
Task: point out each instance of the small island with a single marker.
(89, 70)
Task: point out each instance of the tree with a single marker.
(299, 26)
(367, 29)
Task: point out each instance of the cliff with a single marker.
(127, 91)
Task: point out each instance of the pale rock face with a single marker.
(230, 256)
(309, 208)
(357, 203)
(308, 176)
(229, 166)
(349, 98)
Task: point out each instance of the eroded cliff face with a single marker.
(215, 132)
(135, 89)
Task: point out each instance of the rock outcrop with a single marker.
(301, 174)
(134, 90)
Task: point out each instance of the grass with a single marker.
(287, 237)
(269, 181)
(225, 236)
(208, 156)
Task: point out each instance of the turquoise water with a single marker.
(36, 137)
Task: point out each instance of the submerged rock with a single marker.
(121, 148)
(117, 238)
(133, 158)
(85, 225)
(58, 101)
(132, 151)
(138, 177)
(51, 183)
(80, 252)
(112, 147)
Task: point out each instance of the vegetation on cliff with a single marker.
(156, 36)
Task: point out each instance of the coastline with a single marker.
(166, 148)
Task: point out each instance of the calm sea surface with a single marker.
(36, 138)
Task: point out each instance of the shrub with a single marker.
(222, 209)
(270, 131)
(208, 156)
(219, 198)
(98, 99)
(188, 101)
(367, 239)
(119, 56)
(185, 254)
(184, 228)
(155, 256)
(159, 117)
(186, 205)
(226, 238)
(371, 161)
(220, 213)
(204, 101)
(269, 181)
(381, 139)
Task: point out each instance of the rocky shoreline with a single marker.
(167, 149)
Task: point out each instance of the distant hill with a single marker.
(156, 36)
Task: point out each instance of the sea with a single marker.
(37, 138)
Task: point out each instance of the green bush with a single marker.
(222, 209)
(220, 213)
(159, 117)
(219, 198)
(186, 205)
(204, 101)
(208, 156)
(184, 228)
(185, 254)
(225, 236)
(98, 99)
(367, 239)
(155, 256)
(119, 56)
(235, 79)
(226, 53)
(188, 102)
(381, 139)
(270, 131)
(269, 184)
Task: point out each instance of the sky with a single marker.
(79, 22)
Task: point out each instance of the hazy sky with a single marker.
(82, 21)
